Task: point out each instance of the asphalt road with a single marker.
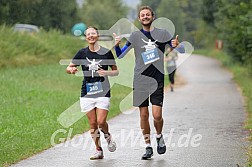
(203, 126)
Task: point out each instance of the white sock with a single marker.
(148, 145)
(158, 135)
(106, 135)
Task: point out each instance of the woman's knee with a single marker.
(93, 124)
(101, 122)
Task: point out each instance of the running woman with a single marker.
(95, 90)
(149, 45)
(171, 58)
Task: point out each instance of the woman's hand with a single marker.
(113, 72)
(102, 72)
(71, 70)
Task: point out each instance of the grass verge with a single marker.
(32, 98)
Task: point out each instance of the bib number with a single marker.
(150, 56)
(94, 88)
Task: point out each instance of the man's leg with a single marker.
(145, 126)
(141, 100)
(158, 119)
(156, 99)
(144, 123)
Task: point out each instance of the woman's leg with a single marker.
(171, 77)
(92, 118)
(103, 125)
(101, 120)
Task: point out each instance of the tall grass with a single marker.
(23, 49)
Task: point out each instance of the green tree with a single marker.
(192, 17)
(233, 22)
(59, 14)
(102, 13)
(208, 9)
(154, 4)
(4, 11)
(185, 14)
(172, 10)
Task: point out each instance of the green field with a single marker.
(32, 98)
(35, 90)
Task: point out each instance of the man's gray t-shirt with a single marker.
(149, 50)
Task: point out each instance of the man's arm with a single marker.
(121, 52)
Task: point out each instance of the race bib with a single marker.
(94, 88)
(150, 56)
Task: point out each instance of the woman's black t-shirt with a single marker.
(93, 85)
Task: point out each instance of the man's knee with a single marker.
(158, 118)
(144, 115)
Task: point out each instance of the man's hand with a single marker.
(117, 39)
(175, 42)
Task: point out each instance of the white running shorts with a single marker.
(87, 104)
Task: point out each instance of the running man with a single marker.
(149, 45)
(95, 90)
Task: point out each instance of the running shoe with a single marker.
(97, 155)
(111, 143)
(161, 148)
(148, 154)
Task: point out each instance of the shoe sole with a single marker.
(159, 152)
(147, 158)
(111, 149)
(96, 158)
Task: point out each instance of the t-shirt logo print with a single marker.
(93, 66)
(150, 45)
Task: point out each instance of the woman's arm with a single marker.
(114, 71)
(71, 69)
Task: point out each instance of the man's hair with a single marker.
(93, 28)
(145, 7)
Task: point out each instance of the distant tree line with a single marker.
(197, 21)
(103, 13)
(232, 20)
(62, 14)
(203, 21)
(57, 14)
